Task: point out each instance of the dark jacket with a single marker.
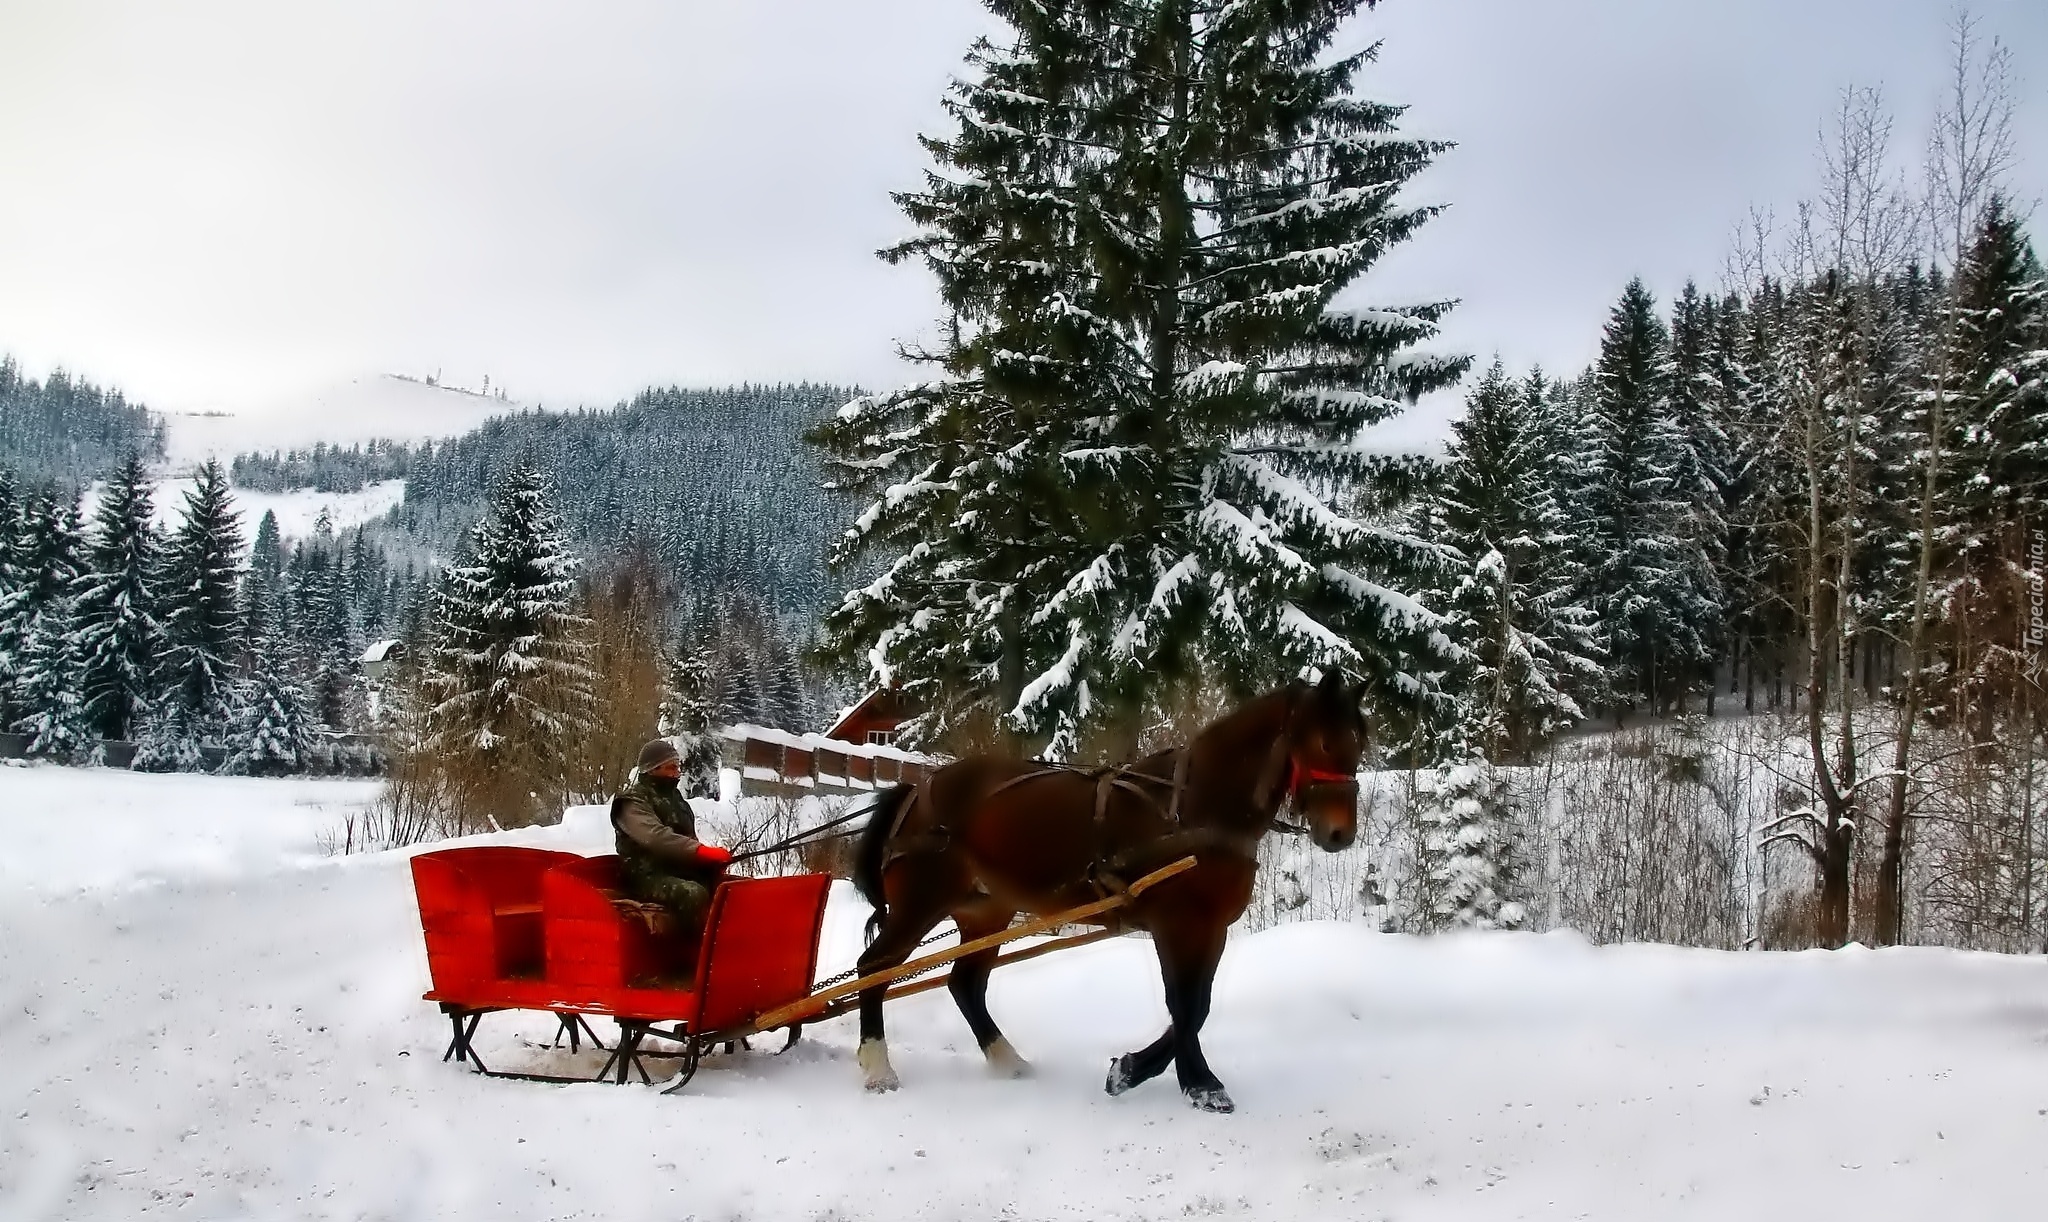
(654, 826)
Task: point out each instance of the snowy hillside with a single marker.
(246, 1039)
(360, 410)
(296, 510)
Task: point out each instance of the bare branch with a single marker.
(1972, 148)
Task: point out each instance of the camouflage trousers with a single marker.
(685, 897)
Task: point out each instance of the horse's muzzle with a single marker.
(1331, 812)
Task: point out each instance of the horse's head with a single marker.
(1325, 743)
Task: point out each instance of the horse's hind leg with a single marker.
(969, 985)
(908, 919)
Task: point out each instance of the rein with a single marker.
(1298, 779)
(824, 831)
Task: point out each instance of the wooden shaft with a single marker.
(846, 1005)
(804, 1009)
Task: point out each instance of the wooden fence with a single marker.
(775, 764)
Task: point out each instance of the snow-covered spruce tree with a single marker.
(201, 607)
(45, 562)
(1137, 470)
(784, 699)
(1516, 600)
(270, 729)
(168, 740)
(1653, 592)
(48, 702)
(1997, 419)
(324, 623)
(115, 605)
(13, 578)
(1754, 622)
(1699, 417)
(686, 720)
(1465, 877)
(263, 584)
(510, 687)
(972, 508)
(45, 701)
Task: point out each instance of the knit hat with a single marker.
(660, 751)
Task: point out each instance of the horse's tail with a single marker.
(867, 853)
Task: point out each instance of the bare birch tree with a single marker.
(1969, 154)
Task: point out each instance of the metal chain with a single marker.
(853, 972)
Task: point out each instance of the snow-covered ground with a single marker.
(244, 1039)
(67, 830)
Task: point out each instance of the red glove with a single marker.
(713, 856)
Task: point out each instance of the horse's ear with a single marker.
(1354, 699)
(1333, 682)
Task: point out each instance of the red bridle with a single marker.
(1300, 778)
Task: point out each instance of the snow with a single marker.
(814, 742)
(296, 510)
(245, 1039)
(65, 830)
(359, 410)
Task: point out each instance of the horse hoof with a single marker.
(1119, 1079)
(1211, 1098)
(877, 1074)
(1004, 1062)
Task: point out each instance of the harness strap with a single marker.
(938, 840)
(1270, 774)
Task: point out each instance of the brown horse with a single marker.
(987, 837)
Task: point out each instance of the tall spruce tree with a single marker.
(1651, 587)
(270, 730)
(202, 612)
(13, 579)
(115, 604)
(1136, 472)
(48, 701)
(45, 702)
(1516, 599)
(323, 622)
(1998, 420)
(687, 720)
(1699, 418)
(262, 583)
(508, 678)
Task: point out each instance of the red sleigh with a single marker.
(526, 929)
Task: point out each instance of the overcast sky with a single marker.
(229, 203)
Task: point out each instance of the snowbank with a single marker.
(251, 1043)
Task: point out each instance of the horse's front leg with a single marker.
(1189, 966)
(1147, 1063)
